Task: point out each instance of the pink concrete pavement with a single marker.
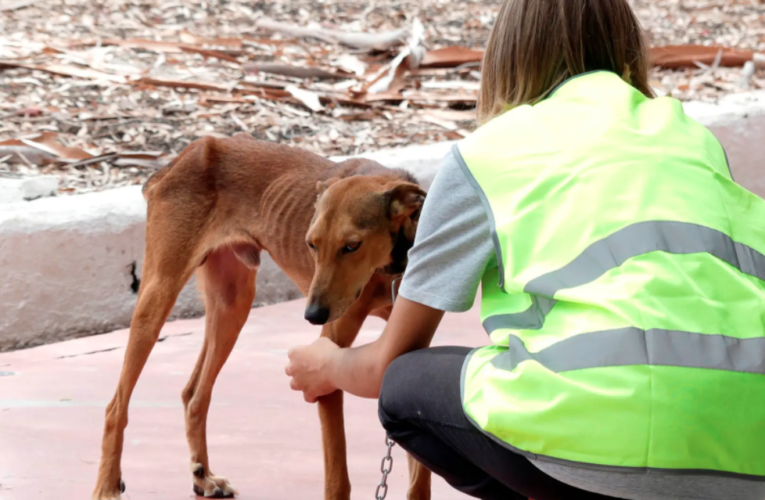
(262, 436)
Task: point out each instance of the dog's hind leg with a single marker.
(166, 269)
(229, 290)
(419, 480)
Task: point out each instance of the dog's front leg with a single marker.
(337, 485)
(419, 480)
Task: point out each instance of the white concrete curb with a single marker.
(70, 265)
(27, 188)
(738, 121)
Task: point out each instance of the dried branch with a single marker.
(218, 54)
(450, 57)
(293, 71)
(65, 70)
(377, 41)
(182, 84)
(16, 4)
(688, 56)
(26, 154)
(308, 98)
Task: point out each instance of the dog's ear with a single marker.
(322, 186)
(405, 201)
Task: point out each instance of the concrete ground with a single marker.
(262, 436)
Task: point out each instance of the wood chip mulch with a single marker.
(103, 92)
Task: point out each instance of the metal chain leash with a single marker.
(393, 289)
(386, 466)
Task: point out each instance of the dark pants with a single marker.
(421, 409)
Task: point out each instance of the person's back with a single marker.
(641, 265)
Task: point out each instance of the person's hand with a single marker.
(309, 368)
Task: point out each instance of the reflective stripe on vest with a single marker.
(612, 251)
(633, 346)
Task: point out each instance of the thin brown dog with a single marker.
(212, 211)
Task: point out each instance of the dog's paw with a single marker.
(106, 496)
(210, 486)
(103, 493)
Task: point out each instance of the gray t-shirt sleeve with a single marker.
(453, 246)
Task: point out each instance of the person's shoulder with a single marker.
(451, 173)
(452, 203)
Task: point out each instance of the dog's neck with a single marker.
(398, 255)
(360, 166)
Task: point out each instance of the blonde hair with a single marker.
(536, 45)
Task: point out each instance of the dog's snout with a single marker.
(316, 314)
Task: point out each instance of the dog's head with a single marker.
(363, 224)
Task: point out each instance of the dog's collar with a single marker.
(398, 256)
(390, 272)
(385, 271)
(396, 279)
(393, 290)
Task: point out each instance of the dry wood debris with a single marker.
(102, 92)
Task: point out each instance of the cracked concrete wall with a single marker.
(70, 265)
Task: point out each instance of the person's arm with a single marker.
(323, 367)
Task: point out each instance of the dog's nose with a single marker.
(316, 315)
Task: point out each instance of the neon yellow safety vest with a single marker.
(628, 327)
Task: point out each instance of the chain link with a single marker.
(386, 466)
(393, 290)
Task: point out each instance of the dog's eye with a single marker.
(310, 245)
(351, 247)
